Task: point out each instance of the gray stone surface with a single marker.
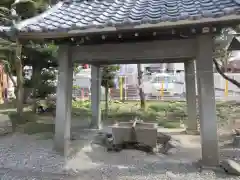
(5, 124)
(231, 167)
(206, 101)
(64, 100)
(24, 157)
(236, 141)
(191, 122)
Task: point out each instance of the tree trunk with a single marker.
(19, 72)
(35, 73)
(106, 101)
(219, 70)
(141, 93)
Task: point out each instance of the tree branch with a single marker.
(218, 68)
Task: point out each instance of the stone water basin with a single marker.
(146, 133)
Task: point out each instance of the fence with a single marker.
(128, 90)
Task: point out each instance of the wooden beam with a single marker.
(133, 61)
(125, 52)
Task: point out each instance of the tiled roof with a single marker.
(6, 32)
(99, 15)
(4, 29)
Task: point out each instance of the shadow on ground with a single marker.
(132, 163)
(91, 161)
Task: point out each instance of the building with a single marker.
(161, 67)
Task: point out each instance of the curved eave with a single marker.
(48, 12)
(63, 33)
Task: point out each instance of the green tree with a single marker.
(23, 9)
(141, 93)
(108, 76)
(38, 57)
(7, 50)
(6, 47)
(42, 59)
(222, 55)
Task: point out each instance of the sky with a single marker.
(235, 56)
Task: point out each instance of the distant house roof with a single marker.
(87, 16)
(235, 44)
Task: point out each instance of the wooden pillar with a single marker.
(2, 84)
(96, 96)
(64, 100)
(190, 83)
(207, 106)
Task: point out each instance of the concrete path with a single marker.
(24, 157)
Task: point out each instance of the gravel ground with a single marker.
(24, 157)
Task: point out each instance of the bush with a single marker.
(158, 107)
(149, 115)
(161, 113)
(122, 116)
(169, 124)
(81, 104)
(81, 108)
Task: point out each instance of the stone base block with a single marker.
(231, 167)
(144, 133)
(236, 141)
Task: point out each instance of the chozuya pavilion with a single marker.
(136, 31)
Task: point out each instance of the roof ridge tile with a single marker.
(84, 14)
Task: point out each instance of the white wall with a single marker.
(83, 79)
(219, 81)
(179, 66)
